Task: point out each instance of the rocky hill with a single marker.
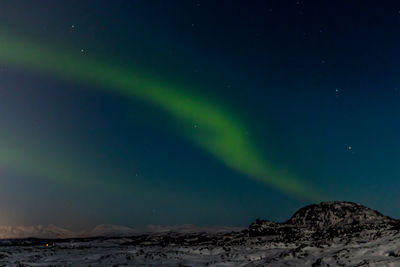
(325, 215)
(325, 220)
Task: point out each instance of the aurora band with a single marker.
(220, 133)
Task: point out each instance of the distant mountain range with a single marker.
(39, 231)
(106, 230)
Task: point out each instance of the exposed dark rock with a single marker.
(336, 214)
(326, 220)
(264, 227)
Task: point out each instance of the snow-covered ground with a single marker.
(200, 250)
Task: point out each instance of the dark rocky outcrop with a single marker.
(318, 217)
(325, 220)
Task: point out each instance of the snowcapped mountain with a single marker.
(39, 231)
(186, 228)
(107, 230)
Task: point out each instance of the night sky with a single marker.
(196, 112)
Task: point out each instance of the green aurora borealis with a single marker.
(195, 112)
(218, 131)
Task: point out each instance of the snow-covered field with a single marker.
(200, 250)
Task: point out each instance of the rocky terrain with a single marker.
(325, 234)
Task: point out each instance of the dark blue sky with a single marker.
(312, 84)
